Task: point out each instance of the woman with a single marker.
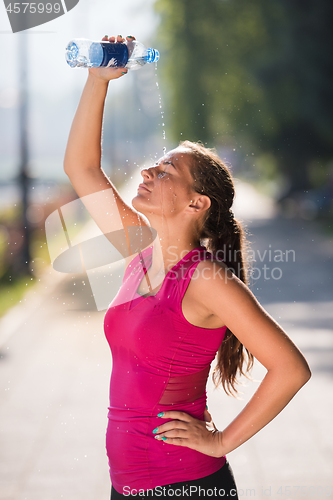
(178, 305)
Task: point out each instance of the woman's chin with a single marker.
(137, 204)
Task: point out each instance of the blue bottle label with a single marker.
(114, 54)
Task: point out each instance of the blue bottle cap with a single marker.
(152, 55)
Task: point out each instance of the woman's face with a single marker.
(167, 187)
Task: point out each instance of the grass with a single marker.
(12, 292)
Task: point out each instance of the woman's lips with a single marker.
(142, 186)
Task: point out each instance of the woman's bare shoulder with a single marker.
(214, 282)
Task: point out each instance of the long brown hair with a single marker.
(224, 237)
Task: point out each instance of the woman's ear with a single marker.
(200, 203)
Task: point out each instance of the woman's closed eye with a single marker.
(166, 170)
(162, 174)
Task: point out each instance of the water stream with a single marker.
(161, 108)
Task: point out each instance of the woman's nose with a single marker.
(146, 172)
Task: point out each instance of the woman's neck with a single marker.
(164, 257)
(168, 251)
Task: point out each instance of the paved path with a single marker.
(55, 366)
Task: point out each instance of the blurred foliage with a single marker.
(255, 76)
(12, 292)
(13, 284)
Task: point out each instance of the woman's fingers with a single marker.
(173, 432)
(176, 415)
(170, 426)
(175, 428)
(107, 38)
(120, 39)
(207, 416)
(177, 441)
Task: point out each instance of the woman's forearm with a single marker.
(84, 142)
(273, 394)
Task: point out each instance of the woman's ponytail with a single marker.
(232, 354)
(225, 238)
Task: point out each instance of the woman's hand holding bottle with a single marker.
(111, 73)
(82, 162)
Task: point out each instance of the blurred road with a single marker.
(55, 366)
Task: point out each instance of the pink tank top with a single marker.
(160, 362)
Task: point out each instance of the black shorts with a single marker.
(221, 485)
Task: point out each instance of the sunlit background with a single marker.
(252, 79)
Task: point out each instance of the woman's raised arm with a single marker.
(82, 162)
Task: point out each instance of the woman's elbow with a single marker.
(307, 374)
(302, 373)
(295, 373)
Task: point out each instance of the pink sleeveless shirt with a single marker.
(160, 362)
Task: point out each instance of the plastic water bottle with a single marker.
(83, 53)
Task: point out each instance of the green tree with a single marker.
(255, 73)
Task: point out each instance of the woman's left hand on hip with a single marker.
(184, 430)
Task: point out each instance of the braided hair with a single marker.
(225, 238)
